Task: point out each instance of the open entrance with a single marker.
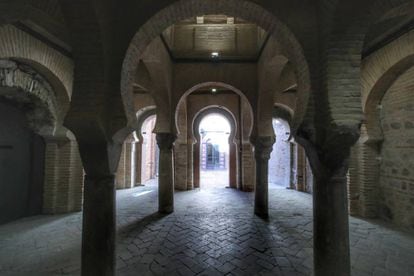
(214, 130)
(138, 163)
(195, 105)
(288, 165)
(22, 155)
(280, 164)
(149, 152)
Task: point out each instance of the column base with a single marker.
(166, 210)
(261, 213)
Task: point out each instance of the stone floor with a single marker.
(214, 178)
(211, 232)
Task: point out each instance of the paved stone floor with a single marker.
(212, 232)
(214, 178)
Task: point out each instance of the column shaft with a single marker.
(263, 148)
(98, 233)
(331, 230)
(166, 173)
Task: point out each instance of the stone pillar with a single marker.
(330, 222)
(196, 164)
(138, 163)
(166, 172)
(293, 166)
(120, 172)
(233, 166)
(180, 166)
(248, 168)
(190, 162)
(301, 169)
(263, 148)
(128, 165)
(98, 227)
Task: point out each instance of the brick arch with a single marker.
(347, 29)
(143, 76)
(216, 84)
(26, 88)
(57, 68)
(284, 112)
(148, 75)
(237, 8)
(379, 71)
(224, 111)
(269, 80)
(143, 115)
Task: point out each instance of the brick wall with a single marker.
(183, 169)
(397, 165)
(63, 188)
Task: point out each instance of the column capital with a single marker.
(263, 146)
(165, 140)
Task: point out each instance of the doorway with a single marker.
(214, 130)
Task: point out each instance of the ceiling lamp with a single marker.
(213, 90)
(214, 54)
(200, 19)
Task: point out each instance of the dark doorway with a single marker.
(22, 155)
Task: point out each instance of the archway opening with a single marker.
(280, 163)
(214, 130)
(289, 166)
(22, 162)
(138, 164)
(149, 153)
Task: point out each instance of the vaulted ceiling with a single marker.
(197, 38)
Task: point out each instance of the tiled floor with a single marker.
(211, 232)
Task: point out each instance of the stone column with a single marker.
(98, 233)
(330, 219)
(120, 172)
(180, 166)
(248, 168)
(301, 169)
(263, 148)
(196, 164)
(190, 162)
(293, 166)
(138, 163)
(166, 172)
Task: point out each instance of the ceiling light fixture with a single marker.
(214, 54)
(213, 90)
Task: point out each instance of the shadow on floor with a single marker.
(141, 223)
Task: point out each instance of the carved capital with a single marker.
(165, 141)
(263, 146)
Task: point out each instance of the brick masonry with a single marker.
(379, 175)
(396, 178)
(63, 188)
